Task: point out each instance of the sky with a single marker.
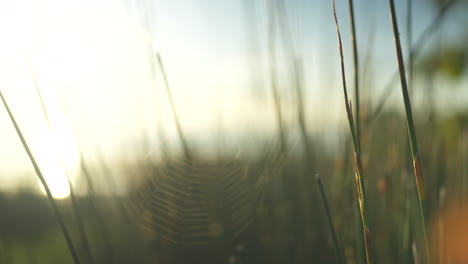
(94, 63)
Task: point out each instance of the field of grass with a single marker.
(394, 191)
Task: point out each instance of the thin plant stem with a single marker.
(253, 43)
(273, 76)
(409, 39)
(298, 72)
(358, 163)
(410, 123)
(367, 79)
(464, 169)
(281, 248)
(338, 252)
(159, 127)
(291, 51)
(92, 194)
(356, 71)
(93, 198)
(79, 219)
(301, 110)
(414, 52)
(59, 217)
(173, 108)
(100, 221)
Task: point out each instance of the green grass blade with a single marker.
(59, 217)
(410, 122)
(173, 108)
(79, 218)
(338, 252)
(361, 192)
(356, 72)
(421, 42)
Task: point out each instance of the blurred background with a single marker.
(173, 131)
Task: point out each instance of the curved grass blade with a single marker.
(79, 218)
(59, 217)
(361, 192)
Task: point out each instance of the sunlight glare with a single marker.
(56, 151)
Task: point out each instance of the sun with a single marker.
(56, 153)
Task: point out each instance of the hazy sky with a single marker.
(93, 62)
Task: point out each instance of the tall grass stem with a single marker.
(356, 72)
(410, 124)
(361, 192)
(414, 52)
(59, 217)
(273, 75)
(338, 252)
(173, 108)
(79, 218)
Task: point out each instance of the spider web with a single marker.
(195, 201)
